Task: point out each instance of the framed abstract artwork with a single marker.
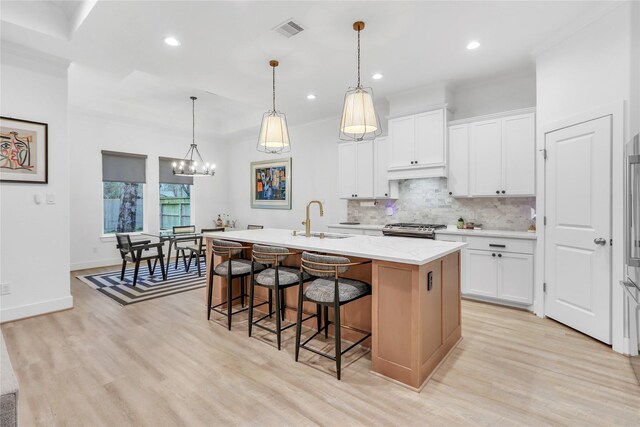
(23, 151)
(271, 184)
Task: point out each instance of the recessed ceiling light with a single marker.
(311, 96)
(473, 45)
(172, 41)
(376, 76)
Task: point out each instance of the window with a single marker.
(123, 179)
(123, 207)
(175, 196)
(175, 205)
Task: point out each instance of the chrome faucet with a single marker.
(307, 222)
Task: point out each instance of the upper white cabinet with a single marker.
(383, 188)
(494, 157)
(486, 158)
(458, 180)
(418, 146)
(518, 154)
(363, 170)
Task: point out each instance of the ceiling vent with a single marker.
(289, 28)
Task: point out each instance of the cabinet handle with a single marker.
(493, 245)
(356, 195)
(499, 255)
(429, 280)
(497, 191)
(493, 254)
(503, 192)
(385, 194)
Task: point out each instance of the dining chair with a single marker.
(200, 249)
(187, 230)
(140, 251)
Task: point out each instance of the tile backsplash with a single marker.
(428, 201)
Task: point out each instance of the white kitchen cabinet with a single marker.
(383, 188)
(418, 145)
(486, 158)
(498, 158)
(430, 140)
(356, 170)
(402, 133)
(518, 154)
(364, 169)
(516, 277)
(496, 269)
(347, 164)
(482, 271)
(458, 176)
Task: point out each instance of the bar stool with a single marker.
(329, 290)
(231, 268)
(276, 278)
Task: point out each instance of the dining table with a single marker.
(173, 239)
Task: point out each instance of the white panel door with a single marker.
(430, 146)
(364, 169)
(518, 154)
(402, 136)
(458, 178)
(347, 170)
(381, 152)
(486, 158)
(482, 273)
(516, 277)
(578, 211)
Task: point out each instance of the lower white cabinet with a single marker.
(497, 269)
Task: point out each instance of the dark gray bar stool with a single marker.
(276, 279)
(231, 268)
(329, 290)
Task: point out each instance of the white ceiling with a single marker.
(121, 65)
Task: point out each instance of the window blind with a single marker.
(167, 176)
(124, 167)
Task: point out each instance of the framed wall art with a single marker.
(271, 184)
(23, 151)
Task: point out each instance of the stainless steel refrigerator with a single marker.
(632, 244)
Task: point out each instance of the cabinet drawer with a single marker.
(498, 244)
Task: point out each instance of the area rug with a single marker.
(147, 287)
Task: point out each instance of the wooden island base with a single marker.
(413, 313)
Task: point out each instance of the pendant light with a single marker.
(190, 166)
(274, 133)
(359, 119)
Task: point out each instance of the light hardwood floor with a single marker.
(161, 363)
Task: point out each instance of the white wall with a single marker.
(588, 71)
(91, 134)
(314, 153)
(504, 93)
(34, 239)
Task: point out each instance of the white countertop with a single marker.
(386, 248)
(357, 226)
(451, 229)
(489, 233)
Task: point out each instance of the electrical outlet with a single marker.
(6, 289)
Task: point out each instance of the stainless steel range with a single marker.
(407, 229)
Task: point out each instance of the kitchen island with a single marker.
(414, 309)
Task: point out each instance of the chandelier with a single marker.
(274, 134)
(190, 166)
(359, 119)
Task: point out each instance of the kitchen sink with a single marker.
(323, 235)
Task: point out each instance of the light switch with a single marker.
(37, 198)
(51, 199)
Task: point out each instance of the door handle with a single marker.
(600, 241)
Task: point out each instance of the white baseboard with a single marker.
(96, 264)
(36, 309)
